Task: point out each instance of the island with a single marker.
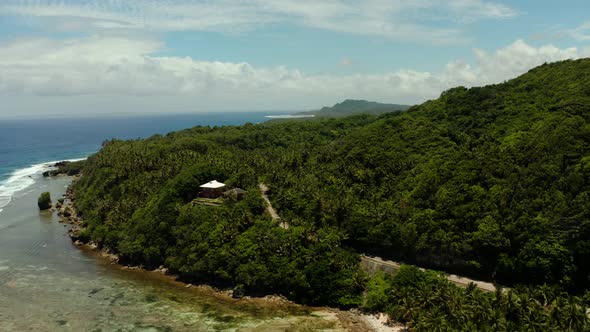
(491, 183)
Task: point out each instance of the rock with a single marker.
(238, 292)
(65, 167)
(75, 235)
(161, 269)
(44, 201)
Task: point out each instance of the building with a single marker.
(236, 193)
(212, 189)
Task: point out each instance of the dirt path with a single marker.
(273, 214)
(373, 264)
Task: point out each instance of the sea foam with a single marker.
(22, 179)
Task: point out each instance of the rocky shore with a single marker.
(351, 320)
(67, 212)
(70, 168)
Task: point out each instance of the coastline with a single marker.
(351, 320)
(22, 178)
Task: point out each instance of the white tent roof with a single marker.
(213, 185)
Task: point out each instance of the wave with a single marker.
(24, 178)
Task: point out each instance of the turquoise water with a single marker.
(49, 284)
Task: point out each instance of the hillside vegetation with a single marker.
(492, 182)
(353, 107)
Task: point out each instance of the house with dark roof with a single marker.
(235, 193)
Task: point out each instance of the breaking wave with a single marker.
(22, 179)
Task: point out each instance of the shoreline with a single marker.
(350, 320)
(22, 178)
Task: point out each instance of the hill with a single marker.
(492, 182)
(352, 107)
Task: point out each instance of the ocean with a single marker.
(47, 283)
(29, 146)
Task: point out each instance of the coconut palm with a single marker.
(574, 316)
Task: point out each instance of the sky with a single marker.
(84, 57)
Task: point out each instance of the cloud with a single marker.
(103, 68)
(418, 20)
(345, 62)
(469, 10)
(582, 32)
(518, 58)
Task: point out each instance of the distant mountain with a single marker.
(350, 107)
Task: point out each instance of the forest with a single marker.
(490, 182)
(352, 107)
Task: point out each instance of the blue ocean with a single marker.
(30, 146)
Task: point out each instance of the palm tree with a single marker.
(574, 316)
(433, 321)
(544, 294)
(513, 307)
(498, 321)
(405, 310)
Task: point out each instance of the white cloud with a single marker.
(345, 62)
(96, 69)
(518, 58)
(473, 9)
(581, 32)
(401, 20)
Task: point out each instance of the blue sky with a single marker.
(91, 56)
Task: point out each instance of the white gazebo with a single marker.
(212, 189)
